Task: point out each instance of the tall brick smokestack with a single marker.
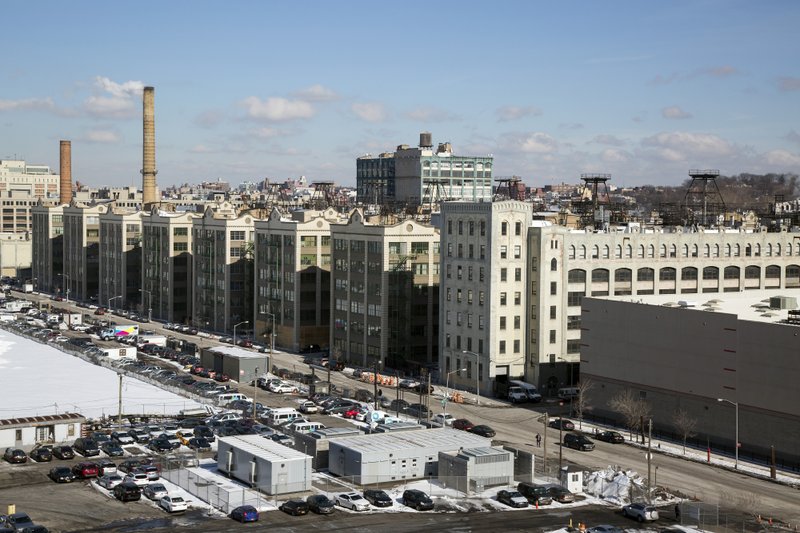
(65, 160)
(149, 193)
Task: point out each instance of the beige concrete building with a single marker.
(167, 275)
(293, 278)
(15, 255)
(222, 263)
(682, 358)
(35, 181)
(385, 286)
(47, 243)
(82, 251)
(121, 260)
(483, 291)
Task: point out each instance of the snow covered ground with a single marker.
(39, 379)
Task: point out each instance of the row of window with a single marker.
(687, 250)
(625, 275)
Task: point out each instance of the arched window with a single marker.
(666, 274)
(689, 273)
(553, 265)
(622, 275)
(710, 273)
(583, 251)
(618, 252)
(663, 250)
(731, 272)
(793, 276)
(651, 251)
(595, 252)
(752, 272)
(673, 251)
(600, 275)
(772, 272)
(572, 251)
(641, 250)
(645, 274)
(629, 251)
(716, 250)
(777, 249)
(606, 252)
(685, 250)
(757, 250)
(748, 251)
(694, 250)
(769, 250)
(708, 251)
(737, 250)
(727, 250)
(576, 275)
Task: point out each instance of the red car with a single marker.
(463, 424)
(85, 470)
(221, 377)
(351, 413)
(196, 370)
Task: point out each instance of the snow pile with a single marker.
(614, 485)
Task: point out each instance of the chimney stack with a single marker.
(65, 160)
(149, 192)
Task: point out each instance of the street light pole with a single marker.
(735, 444)
(234, 329)
(112, 299)
(477, 376)
(149, 304)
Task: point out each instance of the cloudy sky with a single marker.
(643, 90)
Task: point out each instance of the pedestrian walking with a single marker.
(677, 512)
(538, 441)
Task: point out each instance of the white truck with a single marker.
(202, 411)
(27, 287)
(158, 340)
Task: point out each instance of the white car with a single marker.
(641, 512)
(352, 500)
(155, 491)
(443, 419)
(308, 407)
(173, 504)
(283, 388)
(109, 481)
(140, 479)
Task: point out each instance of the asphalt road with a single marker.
(733, 491)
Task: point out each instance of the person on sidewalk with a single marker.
(538, 441)
(677, 512)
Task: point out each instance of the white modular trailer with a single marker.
(476, 469)
(29, 431)
(386, 457)
(264, 464)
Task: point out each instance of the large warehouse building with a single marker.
(707, 359)
(264, 464)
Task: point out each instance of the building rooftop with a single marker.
(264, 448)
(749, 305)
(443, 438)
(235, 351)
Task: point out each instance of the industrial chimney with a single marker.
(149, 192)
(65, 160)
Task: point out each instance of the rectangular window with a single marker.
(504, 252)
(574, 298)
(480, 298)
(504, 228)
(552, 336)
(502, 347)
(552, 312)
(483, 251)
(180, 232)
(517, 274)
(503, 274)
(518, 228)
(516, 345)
(502, 322)
(503, 298)
(517, 251)
(469, 296)
(517, 298)
(517, 322)
(553, 288)
(237, 235)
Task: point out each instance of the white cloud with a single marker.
(608, 139)
(27, 104)
(101, 136)
(369, 111)
(614, 155)
(114, 100)
(316, 93)
(266, 133)
(782, 158)
(208, 119)
(675, 112)
(722, 71)
(200, 149)
(530, 143)
(787, 84)
(677, 146)
(277, 109)
(431, 114)
(508, 113)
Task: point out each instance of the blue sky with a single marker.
(250, 90)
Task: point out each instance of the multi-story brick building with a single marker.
(121, 260)
(82, 251)
(385, 292)
(293, 280)
(47, 242)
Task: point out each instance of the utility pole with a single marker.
(428, 398)
(375, 381)
(544, 454)
(649, 457)
(119, 412)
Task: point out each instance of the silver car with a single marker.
(641, 512)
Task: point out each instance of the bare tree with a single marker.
(632, 408)
(685, 425)
(581, 402)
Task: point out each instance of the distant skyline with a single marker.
(248, 90)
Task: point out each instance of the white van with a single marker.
(568, 393)
(282, 414)
(530, 390)
(307, 427)
(228, 397)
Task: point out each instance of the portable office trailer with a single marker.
(475, 469)
(316, 443)
(28, 431)
(385, 457)
(239, 364)
(264, 464)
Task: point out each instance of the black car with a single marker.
(320, 504)
(610, 436)
(15, 455)
(416, 499)
(562, 423)
(86, 447)
(63, 452)
(204, 432)
(139, 436)
(378, 498)
(19, 521)
(112, 449)
(482, 430)
(398, 406)
(61, 474)
(127, 492)
(160, 445)
(42, 454)
(294, 507)
(535, 494)
(129, 466)
(199, 444)
(418, 410)
(578, 442)
(512, 498)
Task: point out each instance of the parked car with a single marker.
(416, 499)
(19, 521)
(173, 504)
(127, 492)
(462, 424)
(535, 494)
(418, 410)
(641, 512)
(559, 493)
(112, 449)
(294, 507)
(160, 445)
(139, 436)
(443, 419)
(512, 498)
(42, 454)
(308, 407)
(378, 498)
(109, 481)
(398, 406)
(285, 388)
(610, 436)
(199, 444)
(483, 431)
(15, 455)
(151, 471)
(578, 442)
(155, 491)
(562, 423)
(86, 447)
(137, 478)
(320, 504)
(85, 470)
(352, 500)
(120, 437)
(61, 474)
(605, 528)
(129, 466)
(245, 513)
(63, 452)
(105, 466)
(363, 395)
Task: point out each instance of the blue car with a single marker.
(245, 513)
